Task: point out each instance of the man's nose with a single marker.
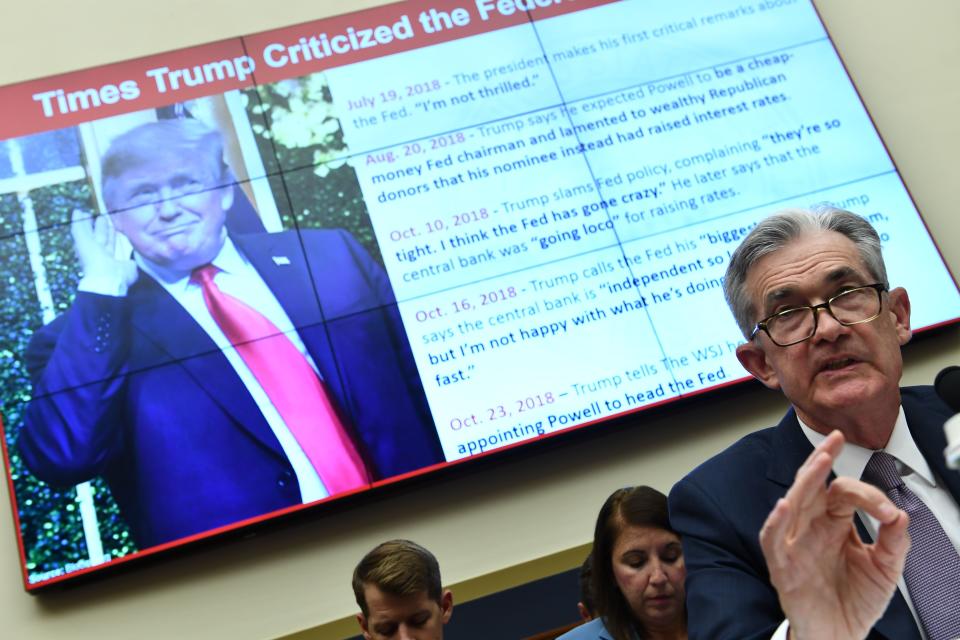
(168, 205)
(406, 633)
(828, 327)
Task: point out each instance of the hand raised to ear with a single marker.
(95, 240)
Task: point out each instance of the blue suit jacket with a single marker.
(134, 390)
(719, 508)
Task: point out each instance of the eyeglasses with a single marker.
(850, 307)
(160, 194)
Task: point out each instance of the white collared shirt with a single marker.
(238, 278)
(913, 468)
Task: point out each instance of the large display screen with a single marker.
(270, 272)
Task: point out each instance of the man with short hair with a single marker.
(765, 538)
(212, 378)
(397, 586)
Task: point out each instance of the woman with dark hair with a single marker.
(638, 571)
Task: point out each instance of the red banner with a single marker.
(153, 81)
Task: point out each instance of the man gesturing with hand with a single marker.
(770, 548)
(831, 584)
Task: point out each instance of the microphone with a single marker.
(947, 386)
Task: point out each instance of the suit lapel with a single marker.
(284, 269)
(790, 449)
(925, 418)
(177, 338)
(280, 261)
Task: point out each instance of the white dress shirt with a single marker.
(237, 278)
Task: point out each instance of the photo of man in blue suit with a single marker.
(152, 381)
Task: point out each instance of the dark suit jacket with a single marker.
(134, 390)
(719, 508)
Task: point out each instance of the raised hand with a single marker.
(95, 240)
(830, 583)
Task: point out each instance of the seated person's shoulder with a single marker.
(593, 630)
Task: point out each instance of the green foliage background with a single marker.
(299, 136)
(49, 517)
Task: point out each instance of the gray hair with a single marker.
(181, 138)
(780, 229)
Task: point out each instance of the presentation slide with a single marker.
(490, 221)
(556, 201)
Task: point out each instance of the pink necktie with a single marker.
(291, 384)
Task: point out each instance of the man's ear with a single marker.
(899, 303)
(363, 625)
(226, 199)
(584, 612)
(118, 220)
(446, 605)
(754, 360)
